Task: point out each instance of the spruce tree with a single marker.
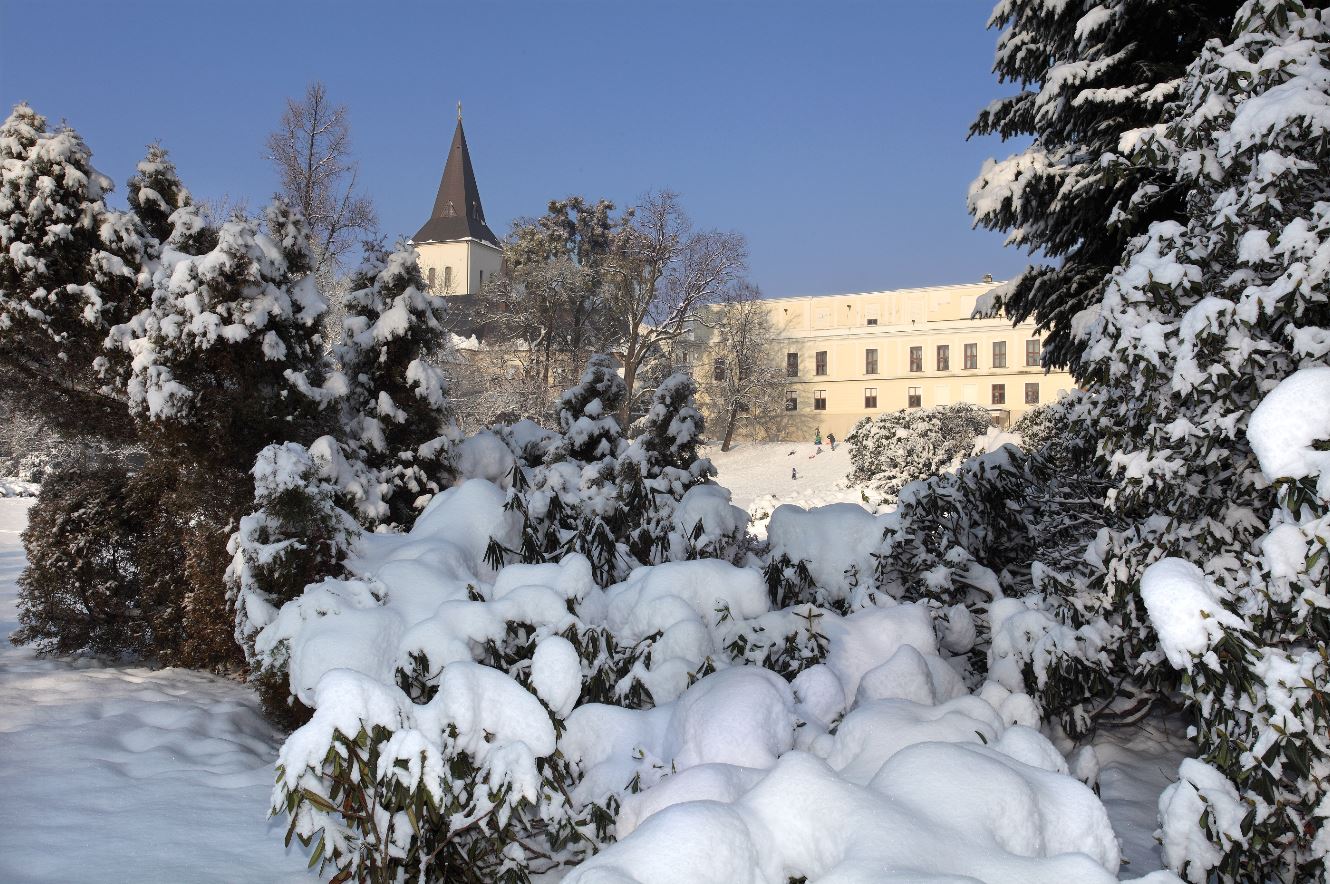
(592, 440)
(588, 413)
(1091, 74)
(297, 535)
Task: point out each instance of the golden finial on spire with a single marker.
(459, 111)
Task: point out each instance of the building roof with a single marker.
(930, 289)
(458, 213)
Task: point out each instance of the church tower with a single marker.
(458, 251)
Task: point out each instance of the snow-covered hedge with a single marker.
(499, 722)
(892, 450)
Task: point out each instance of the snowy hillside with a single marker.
(763, 476)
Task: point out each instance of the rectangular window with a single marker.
(431, 279)
(820, 362)
(1031, 394)
(999, 394)
(943, 357)
(819, 400)
(914, 397)
(870, 361)
(448, 280)
(999, 354)
(872, 320)
(972, 356)
(791, 400)
(1032, 351)
(870, 397)
(718, 369)
(916, 359)
(791, 365)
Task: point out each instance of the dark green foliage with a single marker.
(81, 591)
(1072, 196)
(70, 270)
(155, 192)
(894, 449)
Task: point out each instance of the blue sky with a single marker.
(831, 134)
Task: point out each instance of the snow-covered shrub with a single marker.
(297, 535)
(618, 502)
(396, 420)
(506, 722)
(1201, 327)
(995, 548)
(1041, 425)
(1253, 805)
(458, 788)
(892, 450)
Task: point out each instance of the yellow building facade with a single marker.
(847, 357)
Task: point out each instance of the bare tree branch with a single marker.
(311, 150)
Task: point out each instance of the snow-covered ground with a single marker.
(759, 476)
(114, 773)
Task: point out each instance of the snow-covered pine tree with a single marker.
(70, 269)
(1201, 327)
(1090, 72)
(155, 193)
(591, 431)
(659, 466)
(397, 420)
(593, 440)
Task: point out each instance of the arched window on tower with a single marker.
(447, 279)
(431, 279)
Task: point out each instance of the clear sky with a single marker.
(830, 133)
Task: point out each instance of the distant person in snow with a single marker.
(831, 440)
(794, 472)
(817, 437)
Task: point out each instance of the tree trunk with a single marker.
(629, 379)
(729, 427)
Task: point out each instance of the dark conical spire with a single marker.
(457, 210)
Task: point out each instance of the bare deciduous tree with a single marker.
(660, 274)
(311, 150)
(742, 376)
